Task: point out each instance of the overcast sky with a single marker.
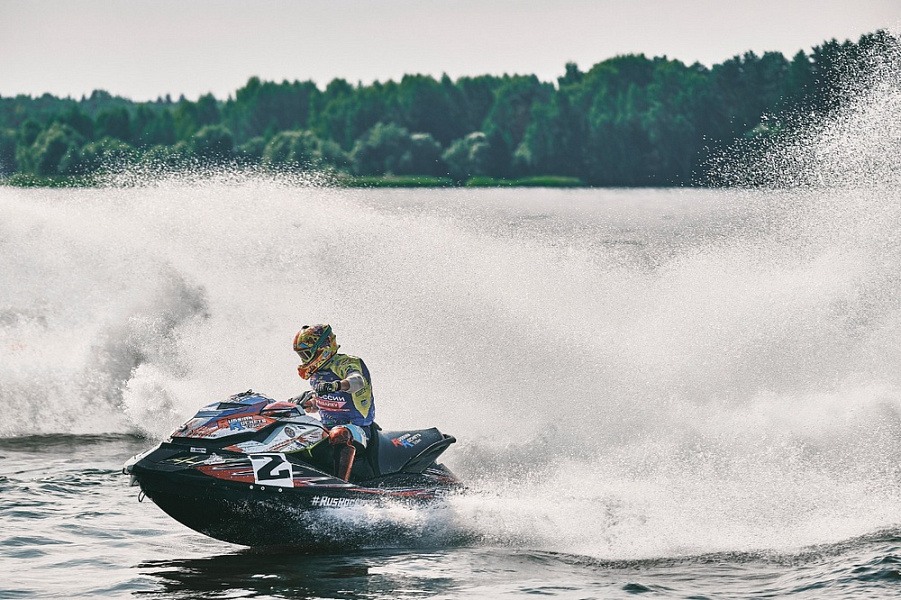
(142, 49)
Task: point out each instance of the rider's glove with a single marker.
(302, 399)
(327, 387)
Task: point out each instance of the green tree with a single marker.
(331, 117)
(153, 126)
(207, 111)
(212, 143)
(114, 123)
(296, 149)
(555, 139)
(615, 139)
(381, 150)
(105, 154)
(161, 130)
(44, 156)
(510, 117)
(301, 150)
(164, 158)
(468, 157)
(29, 132)
(252, 150)
(475, 97)
(189, 117)
(677, 96)
(423, 157)
(423, 105)
(8, 139)
(259, 107)
(78, 120)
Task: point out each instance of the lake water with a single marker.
(664, 393)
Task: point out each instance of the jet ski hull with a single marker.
(253, 471)
(222, 497)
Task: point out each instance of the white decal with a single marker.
(272, 469)
(334, 502)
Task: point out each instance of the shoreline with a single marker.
(21, 180)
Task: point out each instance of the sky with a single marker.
(143, 49)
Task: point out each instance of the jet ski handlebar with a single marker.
(303, 398)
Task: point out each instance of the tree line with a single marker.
(627, 121)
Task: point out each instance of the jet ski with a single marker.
(257, 472)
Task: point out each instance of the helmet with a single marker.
(315, 344)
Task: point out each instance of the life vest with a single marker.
(339, 408)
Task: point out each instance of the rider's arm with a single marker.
(353, 383)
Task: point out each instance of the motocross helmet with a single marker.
(315, 344)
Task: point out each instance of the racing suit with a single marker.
(355, 406)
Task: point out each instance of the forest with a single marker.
(626, 121)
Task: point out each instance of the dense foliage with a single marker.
(629, 120)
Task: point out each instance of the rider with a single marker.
(343, 391)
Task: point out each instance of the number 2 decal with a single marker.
(272, 469)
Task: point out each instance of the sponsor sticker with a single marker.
(407, 440)
(333, 405)
(245, 422)
(329, 502)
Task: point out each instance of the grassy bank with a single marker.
(538, 181)
(378, 181)
(54, 181)
(395, 181)
(404, 181)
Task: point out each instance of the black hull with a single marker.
(254, 515)
(256, 472)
